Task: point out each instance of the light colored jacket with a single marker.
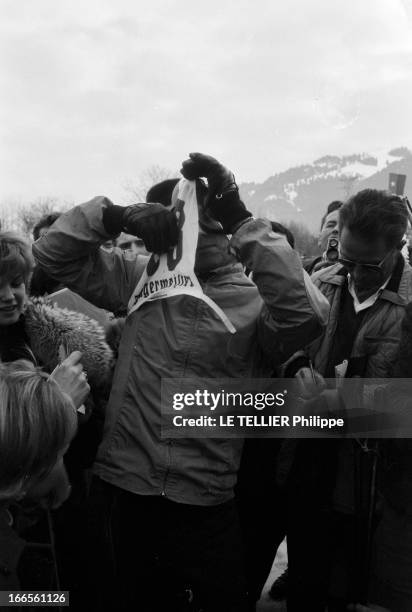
(181, 337)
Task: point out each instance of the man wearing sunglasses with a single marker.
(368, 289)
(370, 275)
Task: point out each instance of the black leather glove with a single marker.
(219, 178)
(223, 202)
(153, 223)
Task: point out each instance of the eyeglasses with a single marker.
(350, 265)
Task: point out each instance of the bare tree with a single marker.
(305, 242)
(8, 214)
(136, 189)
(27, 215)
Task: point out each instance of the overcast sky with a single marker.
(95, 91)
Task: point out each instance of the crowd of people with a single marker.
(134, 520)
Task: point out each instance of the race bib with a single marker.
(173, 273)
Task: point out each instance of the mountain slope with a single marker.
(302, 193)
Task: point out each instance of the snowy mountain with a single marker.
(302, 193)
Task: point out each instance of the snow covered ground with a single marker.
(265, 604)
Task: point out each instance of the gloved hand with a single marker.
(223, 202)
(153, 223)
(219, 178)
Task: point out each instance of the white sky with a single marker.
(95, 91)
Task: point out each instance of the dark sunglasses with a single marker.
(350, 265)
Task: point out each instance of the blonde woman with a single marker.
(38, 419)
(36, 331)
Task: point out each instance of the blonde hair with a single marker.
(15, 256)
(37, 422)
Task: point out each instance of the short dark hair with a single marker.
(335, 205)
(45, 221)
(281, 229)
(42, 283)
(371, 213)
(162, 192)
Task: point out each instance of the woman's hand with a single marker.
(72, 379)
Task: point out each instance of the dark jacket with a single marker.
(397, 453)
(374, 350)
(378, 337)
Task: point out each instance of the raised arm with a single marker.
(294, 311)
(70, 250)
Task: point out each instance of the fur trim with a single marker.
(48, 327)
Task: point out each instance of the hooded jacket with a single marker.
(181, 337)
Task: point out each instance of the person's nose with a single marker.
(6, 293)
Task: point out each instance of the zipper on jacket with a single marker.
(169, 463)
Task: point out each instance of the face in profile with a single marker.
(12, 298)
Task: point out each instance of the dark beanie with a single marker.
(162, 192)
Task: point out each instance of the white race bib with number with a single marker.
(173, 273)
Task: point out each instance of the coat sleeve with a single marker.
(295, 311)
(70, 252)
